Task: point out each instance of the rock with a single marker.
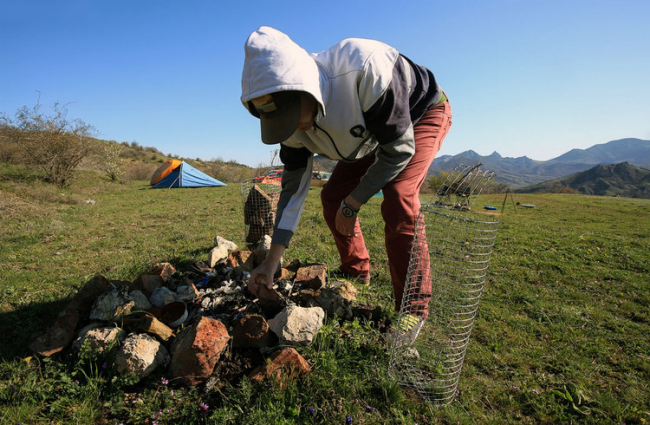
(140, 355)
(265, 244)
(346, 289)
(241, 260)
(285, 274)
(268, 299)
(369, 313)
(282, 365)
(313, 277)
(332, 302)
(252, 332)
(262, 250)
(196, 351)
(141, 301)
(89, 326)
(151, 325)
(162, 296)
(220, 251)
(100, 339)
(297, 325)
(86, 296)
(187, 293)
(147, 283)
(307, 295)
(112, 305)
(164, 270)
(58, 336)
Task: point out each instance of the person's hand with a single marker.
(345, 225)
(263, 274)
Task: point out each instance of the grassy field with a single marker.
(561, 334)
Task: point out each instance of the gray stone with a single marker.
(220, 251)
(140, 355)
(333, 303)
(99, 339)
(297, 325)
(162, 296)
(141, 301)
(265, 243)
(112, 305)
(186, 293)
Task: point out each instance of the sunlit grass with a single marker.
(566, 302)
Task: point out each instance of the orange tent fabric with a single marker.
(164, 170)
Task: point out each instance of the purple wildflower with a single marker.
(348, 420)
(104, 365)
(370, 409)
(514, 387)
(535, 391)
(164, 381)
(312, 411)
(205, 407)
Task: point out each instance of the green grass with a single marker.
(565, 311)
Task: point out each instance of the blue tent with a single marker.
(175, 173)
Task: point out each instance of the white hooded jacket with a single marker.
(369, 96)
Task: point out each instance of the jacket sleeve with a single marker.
(389, 120)
(296, 180)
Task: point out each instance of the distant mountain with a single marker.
(621, 179)
(523, 171)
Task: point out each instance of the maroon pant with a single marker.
(399, 209)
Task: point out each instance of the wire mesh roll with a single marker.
(447, 270)
(260, 203)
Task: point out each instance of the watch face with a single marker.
(347, 211)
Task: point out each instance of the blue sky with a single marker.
(523, 77)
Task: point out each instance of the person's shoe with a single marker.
(408, 329)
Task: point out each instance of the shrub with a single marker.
(53, 144)
(139, 171)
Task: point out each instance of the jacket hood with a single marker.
(274, 63)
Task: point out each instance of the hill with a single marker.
(621, 179)
(523, 171)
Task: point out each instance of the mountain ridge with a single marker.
(523, 171)
(622, 179)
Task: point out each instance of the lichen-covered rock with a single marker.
(100, 339)
(297, 325)
(140, 354)
(112, 305)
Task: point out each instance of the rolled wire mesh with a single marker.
(449, 261)
(260, 203)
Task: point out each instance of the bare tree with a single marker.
(53, 143)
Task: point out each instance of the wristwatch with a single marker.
(347, 210)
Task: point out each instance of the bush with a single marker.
(139, 171)
(53, 144)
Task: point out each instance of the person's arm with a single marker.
(296, 179)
